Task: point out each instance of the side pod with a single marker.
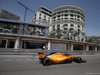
(41, 55)
(84, 61)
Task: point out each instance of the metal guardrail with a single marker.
(11, 51)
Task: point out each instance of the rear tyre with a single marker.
(46, 62)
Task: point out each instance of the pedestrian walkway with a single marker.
(19, 56)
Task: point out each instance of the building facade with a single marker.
(68, 20)
(4, 14)
(24, 35)
(42, 16)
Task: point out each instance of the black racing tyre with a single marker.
(46, 62)
(78, 60)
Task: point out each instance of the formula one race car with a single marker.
(58, 57)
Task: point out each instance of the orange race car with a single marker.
(58, 57)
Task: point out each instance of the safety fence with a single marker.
(11, 51)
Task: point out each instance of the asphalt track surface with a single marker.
(29, 65)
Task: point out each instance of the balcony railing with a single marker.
(21, 30)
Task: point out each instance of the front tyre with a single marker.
(78, 60)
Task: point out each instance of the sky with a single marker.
(91, 10)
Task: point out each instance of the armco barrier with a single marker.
(10, 51)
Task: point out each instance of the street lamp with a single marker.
(26, 8)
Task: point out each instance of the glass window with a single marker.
(78, 16)
(72, 25)
(58, 27)
(65, 25)
(66, 14)
(65, 28)
(78, 26)
(71, 15)
(66, 11)
(53, 27)
(40, 14)
(58, 15)
(44, 16)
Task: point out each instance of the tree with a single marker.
(59, 33)
(56, 34)
(75, 34)
(52, 34)
(70, 31)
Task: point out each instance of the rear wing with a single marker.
(41, 55)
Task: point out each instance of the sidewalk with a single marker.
(19, 56)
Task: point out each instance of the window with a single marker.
(71, 18)
(54, 17)
(66, 14)
(65, 28)
(66, 18)
(78, 26)
(58, 19)
(40, 14)
(65, 25)
(72, 11)
(78, 16)
(71, 15)
(44, 16)
(78, 19)
(78, 13)
(72, 25)
(66, 11)
(58, 15)
(53, 28)
(58, 27)
(79, 30)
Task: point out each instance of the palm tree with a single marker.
(59, 33)
(56, 34)
(65, 34)
(70, 31)
(52, 34)
(79, 34)
(75, 34)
